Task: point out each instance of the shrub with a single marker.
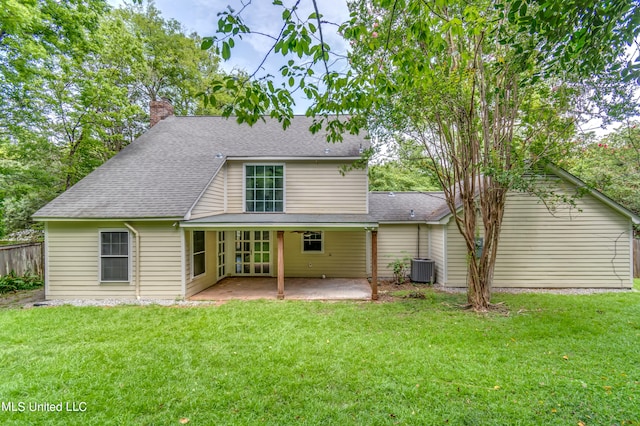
(11, 282)
(400, 268)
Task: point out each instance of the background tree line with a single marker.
(609, 163)
(76, 78)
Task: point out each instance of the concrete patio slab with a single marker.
(251, 288)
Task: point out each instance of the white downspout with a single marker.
(136, 234)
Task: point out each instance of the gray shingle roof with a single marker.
(396, 207)
(383, 207)
(162, 173)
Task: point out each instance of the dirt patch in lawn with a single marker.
(21, 298)
(389, 291)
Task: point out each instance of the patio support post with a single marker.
(374, 265)
(280, 264)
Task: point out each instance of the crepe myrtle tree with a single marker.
(487, 88)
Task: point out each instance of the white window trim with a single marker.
(322, 242)
(244, 186)
(129, 256)
(193, 254)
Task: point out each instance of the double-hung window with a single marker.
(264, 188)
(198, 253)
(114, 256)
(312, 242)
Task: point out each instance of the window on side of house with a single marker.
(114, 256)
(198, 253)
(312, 242)
(264, 188)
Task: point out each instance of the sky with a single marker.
(261, 16)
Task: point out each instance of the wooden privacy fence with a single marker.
(21, 258)
(636, 258)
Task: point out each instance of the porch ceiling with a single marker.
(282, 221)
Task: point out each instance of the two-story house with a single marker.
(198, 199)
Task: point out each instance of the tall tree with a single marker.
(36, 39)
(170, 63)
(76, 81)
(402, 167)
(610, 164)
(487, 87)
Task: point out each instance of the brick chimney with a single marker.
(159, 110)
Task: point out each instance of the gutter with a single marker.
(137, 271)
(279, 226)
(105, 219)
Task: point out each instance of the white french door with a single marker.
(252, 253)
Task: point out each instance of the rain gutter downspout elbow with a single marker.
(136, 234)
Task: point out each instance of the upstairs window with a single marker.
(264, 188)
(114, 256)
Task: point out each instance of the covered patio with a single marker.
(252, 288)
(253, 264)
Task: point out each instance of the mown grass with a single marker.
(553, 360)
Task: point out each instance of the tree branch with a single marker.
(324, 53)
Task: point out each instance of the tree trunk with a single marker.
(491, 199)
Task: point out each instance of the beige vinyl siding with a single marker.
(398, 242)
(160, 260)
(318, 187)
(310, 187)
(73, 249)
(73, 262)
(344, 256)
(570, 248)
(212, 200)
(235, 186)
(456, 256)
(437, 248)
(199, 283)
(582, 246)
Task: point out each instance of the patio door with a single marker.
(253, 253)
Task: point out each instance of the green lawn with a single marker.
(554, 360)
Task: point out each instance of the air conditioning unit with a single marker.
(423, 270)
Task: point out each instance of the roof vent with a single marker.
(412, 214)
(327, 150)
(360, 150)
(391, 194)
(219, 155)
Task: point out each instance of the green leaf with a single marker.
(226, 51)
(206, 44)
